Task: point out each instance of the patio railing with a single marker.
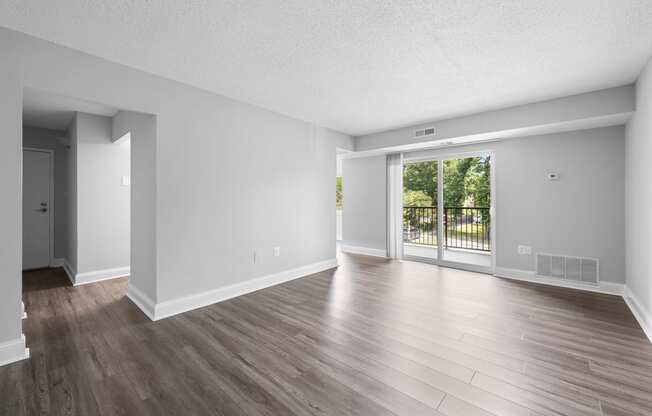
(464, 227)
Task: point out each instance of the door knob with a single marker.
(42, 210)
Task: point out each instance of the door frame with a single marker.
(440, 157)
(51, 154)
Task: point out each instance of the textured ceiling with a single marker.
(360, 66)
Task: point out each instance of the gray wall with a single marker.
(364, 202)
(564, 113)
(49, 139)
(142, 128)
(71, 197)
(10, 204)
(582, 214)
(230, 177)
(639, 194)
(103, 219)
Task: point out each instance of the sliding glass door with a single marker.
(420, 215)
(466, 216)
(447, 211)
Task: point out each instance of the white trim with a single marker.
(50, 207)
(469, 267)
(78, 279)
(22, 308)
(530, 276)
(187, 303)
(374, 252)
(57, 262)
(142, 301)
(99, 275)
(14, 350)
(70, 271)
(643, 317)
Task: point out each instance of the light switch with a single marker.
(126, 180)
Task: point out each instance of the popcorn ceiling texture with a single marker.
(360, 66)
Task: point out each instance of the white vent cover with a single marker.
(428, 131)
(583, 270)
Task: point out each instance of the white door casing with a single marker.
(37, 208)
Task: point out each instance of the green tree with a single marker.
(455, 171)
(338, 193)
(477, 184)
(421, 177)
(416, 199)
(466, 181)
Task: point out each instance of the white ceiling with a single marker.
(360, 66)
(55, 112)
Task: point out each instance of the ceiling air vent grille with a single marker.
(428, 131)
(578, 269)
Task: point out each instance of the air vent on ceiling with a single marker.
(578, 269)
(428, 131)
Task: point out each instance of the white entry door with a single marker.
(37, 171)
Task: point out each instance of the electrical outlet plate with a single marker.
(277, 251)
(524, 250)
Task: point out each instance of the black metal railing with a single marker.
(420, 225)
(464, 227)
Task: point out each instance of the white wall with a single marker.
(582, 214)
(364, 214)
(230, 177)
(49, 139)
(10, 209)
(142, 130)
(103, 218)
(71, 198)
(639, 196)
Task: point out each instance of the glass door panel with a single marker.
(420, 214)
(466, 219)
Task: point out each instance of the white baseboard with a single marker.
(70, 271)
(57, 262)
(95, 276)
(142, 301)
(14, 350)
(175, 306)
(375, 252)
(529, 276)
(99, 275)
(643, 316)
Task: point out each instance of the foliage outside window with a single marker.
(338, 193)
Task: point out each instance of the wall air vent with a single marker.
(428, 131)
(577, 269)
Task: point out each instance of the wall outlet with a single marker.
(524, 250)
(277, 251)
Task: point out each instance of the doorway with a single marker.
(447, 211)
(38, 209)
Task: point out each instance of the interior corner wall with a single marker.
(71, 199)
(41, 138)
(142, 129)
(103, 202)
(639, 196)
(364, 203)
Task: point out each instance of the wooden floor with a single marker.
(370, 338)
